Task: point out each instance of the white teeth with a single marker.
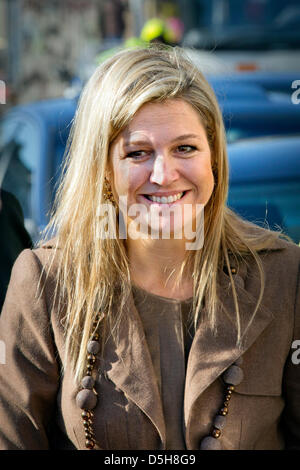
(166, 200)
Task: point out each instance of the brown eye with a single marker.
(137, 155)
(186, 148)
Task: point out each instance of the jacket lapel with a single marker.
(211, 354)
(129, 363)
(129, 366)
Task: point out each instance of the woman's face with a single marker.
(162, 162)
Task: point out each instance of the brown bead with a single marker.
(233, 375)
(219, 422)
(86, 399)
(233, 270)
(89, 368)
(86, 414)
(223, 411)
(230, 388)
(89, 444)
(93, 347)
(210, 443)
(226, 403)
(216, 433)
(87, 422)
(95, 337)
(91, 359)
(88, 382)
(228, 397)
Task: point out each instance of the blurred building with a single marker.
(44, 45)
(44, 41)
(47, 45)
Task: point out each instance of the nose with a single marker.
(164, 171)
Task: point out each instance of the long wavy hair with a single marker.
(92, 270)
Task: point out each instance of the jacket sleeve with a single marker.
(291, 382)
(29, 373)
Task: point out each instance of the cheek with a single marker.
(128, 178)
(202, 174)
(203, 180)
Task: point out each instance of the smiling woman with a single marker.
(163, 164)
(120, 332)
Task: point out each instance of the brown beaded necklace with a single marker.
(86, 398)
(231, 377)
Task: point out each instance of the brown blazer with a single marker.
(38, 409)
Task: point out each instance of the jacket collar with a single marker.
(130, 367)
(212, 353)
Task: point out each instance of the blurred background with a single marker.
(248, 49)
(48, 45)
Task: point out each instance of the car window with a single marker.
(236, 24)
(275, 203)
(241, 131)
(235, 133)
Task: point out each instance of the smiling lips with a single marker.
(165, 199)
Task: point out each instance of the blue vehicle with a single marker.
(33, 139)
(227, 89)
(227, 36)
(275, 85)
(244, 119)
(257, 105)
(265, 182)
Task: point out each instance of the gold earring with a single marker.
(107, 191)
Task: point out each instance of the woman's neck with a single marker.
(155, 266)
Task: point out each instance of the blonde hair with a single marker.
(91, 270)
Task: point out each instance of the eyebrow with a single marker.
(186, 136)
(129, 142)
